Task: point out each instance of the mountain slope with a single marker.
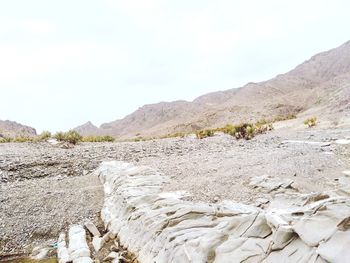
(87, 129)
(319, 85)
(14, 129)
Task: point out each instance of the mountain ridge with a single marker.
(14, 129)
(294, 92)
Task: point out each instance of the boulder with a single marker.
(62, 250)
(78, 248)
(92, 229)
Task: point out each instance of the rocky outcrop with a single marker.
(163, 227)
(14, 129)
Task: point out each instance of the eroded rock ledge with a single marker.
(162, 227)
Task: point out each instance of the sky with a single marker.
(63, 63)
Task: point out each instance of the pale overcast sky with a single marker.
(63, 63)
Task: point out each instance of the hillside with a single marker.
(319, 85)
(14, 129)
(87, 129)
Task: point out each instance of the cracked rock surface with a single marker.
(162, 227)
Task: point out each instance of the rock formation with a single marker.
(163, 227)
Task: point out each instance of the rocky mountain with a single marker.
(87, 129)
(14, 129)
(320, 85)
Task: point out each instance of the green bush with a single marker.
(105, 138)
(5, 139)
(311, 122)
(204, 134)
(244, 131)
(71, 136)
(284, 117)
(173, 135)
(229, 129)
(45, 135)
(247, 130)
(108, 138)
(59, 136)
(138, 139)
(241, 131)
(22, 139)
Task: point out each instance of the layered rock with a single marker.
(163, 227)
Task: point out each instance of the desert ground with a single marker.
(45, 188)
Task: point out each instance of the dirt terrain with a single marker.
(45, 188)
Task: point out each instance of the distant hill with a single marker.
(88, 129)
(14, 129)
(320, 85)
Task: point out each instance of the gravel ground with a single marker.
(45, 188)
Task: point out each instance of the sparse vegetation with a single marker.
(174, 135)
(59, 136)
(311, 122)
(284, 117)
(23, 139)
(205, 133)
(71, 136)
(5, 139)
(105, 138)
(16, 139)
(139, 139)
(247, 130)
(45, 135)
(241, 131)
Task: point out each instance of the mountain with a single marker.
(14, 129)
(87, 129)
(320, 85)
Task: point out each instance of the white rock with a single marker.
(40, 254)
(336, 250)
(97, 243)
(92, 229)
(342, 141)
(161, 227)
(347, 173)
(78, 247)
(53, 141)
(62, 250)
(282, 236)
(83, 260)
(111, 256)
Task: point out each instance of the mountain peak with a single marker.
(87, 129)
